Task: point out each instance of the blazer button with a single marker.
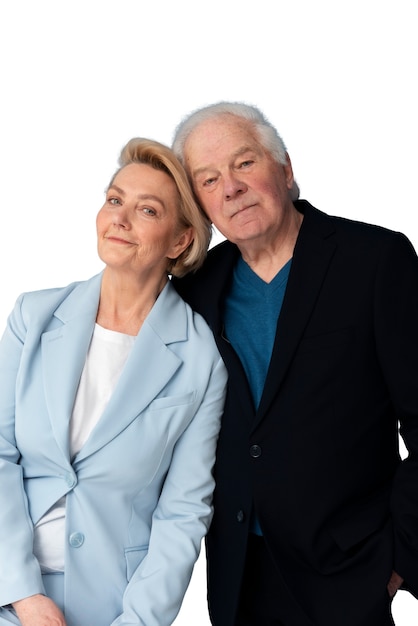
(70, 480)
(76, 540)
(255, 451)
(240, 517)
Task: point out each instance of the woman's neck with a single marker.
(125, 302)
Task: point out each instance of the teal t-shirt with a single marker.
(251, 312)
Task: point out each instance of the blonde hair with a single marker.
(161, 157)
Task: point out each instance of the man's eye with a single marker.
(246, 163)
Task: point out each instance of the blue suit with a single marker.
(139, 491)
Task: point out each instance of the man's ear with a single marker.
(288, 170)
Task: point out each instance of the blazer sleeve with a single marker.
(22, 577)
(396, 324)
(181, 519)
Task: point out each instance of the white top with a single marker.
(105, 360)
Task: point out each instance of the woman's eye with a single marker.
(149, 211)
(114, 201)
(246, 163)
(208, 182)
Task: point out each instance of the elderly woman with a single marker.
(111, 396)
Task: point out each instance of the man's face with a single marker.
(242, 189)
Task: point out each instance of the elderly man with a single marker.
(316, 317)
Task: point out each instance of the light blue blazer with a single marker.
(139, 491)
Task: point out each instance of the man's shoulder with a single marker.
(219, 261)
(202, 288)
(343, 226)
(224, 252)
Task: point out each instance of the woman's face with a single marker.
(137, 227)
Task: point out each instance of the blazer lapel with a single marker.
(314, 250)
(150, 366)
(64, 350)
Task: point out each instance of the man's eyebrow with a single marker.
(202, 170)
(236, 154)
(243, 150)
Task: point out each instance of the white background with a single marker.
(78, 79)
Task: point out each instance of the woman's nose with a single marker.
(120, 216)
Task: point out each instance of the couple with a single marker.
(113, 391)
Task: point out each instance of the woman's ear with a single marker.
(184, 240)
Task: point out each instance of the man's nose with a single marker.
(233, 186)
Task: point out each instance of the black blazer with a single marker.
(319, 459)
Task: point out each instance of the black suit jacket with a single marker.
(319, 459)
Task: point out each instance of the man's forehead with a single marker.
(226, 123)
(220, 136)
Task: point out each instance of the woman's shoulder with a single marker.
(50, 294)
(41, 302)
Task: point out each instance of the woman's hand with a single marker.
(38, 610)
